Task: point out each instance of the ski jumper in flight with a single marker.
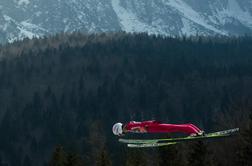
(155, 127)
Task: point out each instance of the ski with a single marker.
(218, 134)
(147, 145)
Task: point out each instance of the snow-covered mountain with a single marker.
(29, 18)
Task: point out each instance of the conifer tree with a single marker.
(1, 161)
(135, 157)
(59, 157)
(103, 159)
(74, 160)
(199, 155)
(169, 156)
(98, 155)
(27, 161)
(245, 154)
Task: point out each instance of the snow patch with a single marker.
(4, 27)
(190, 14)
(233, 10)
(25, 28)
(67, 27)
(11, 38)
(65, 20)
(7, 18)
(38, 14)
(92, 27)
(23, 2)
(31, 26)
(187, 28)
(26, 33)
(100, 7)
(129, 21)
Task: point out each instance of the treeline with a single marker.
(60, 95)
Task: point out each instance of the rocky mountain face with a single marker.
(33, 18)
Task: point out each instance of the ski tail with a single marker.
(150, 145)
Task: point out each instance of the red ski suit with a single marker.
(157, 127)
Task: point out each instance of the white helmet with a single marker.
(117, 128)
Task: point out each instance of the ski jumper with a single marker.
(157, 127)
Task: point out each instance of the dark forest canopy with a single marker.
(60, 95)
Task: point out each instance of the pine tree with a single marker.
(169, 156)
(135, 157)
(1, 161)
(27, 161)
(244, 155)
(103, 159)
(199, 155)
(59, 157)
(74, 160)
(98, 154)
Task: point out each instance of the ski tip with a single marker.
(235, 129)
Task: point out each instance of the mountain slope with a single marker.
(26, 18)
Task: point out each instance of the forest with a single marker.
(60, 96)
